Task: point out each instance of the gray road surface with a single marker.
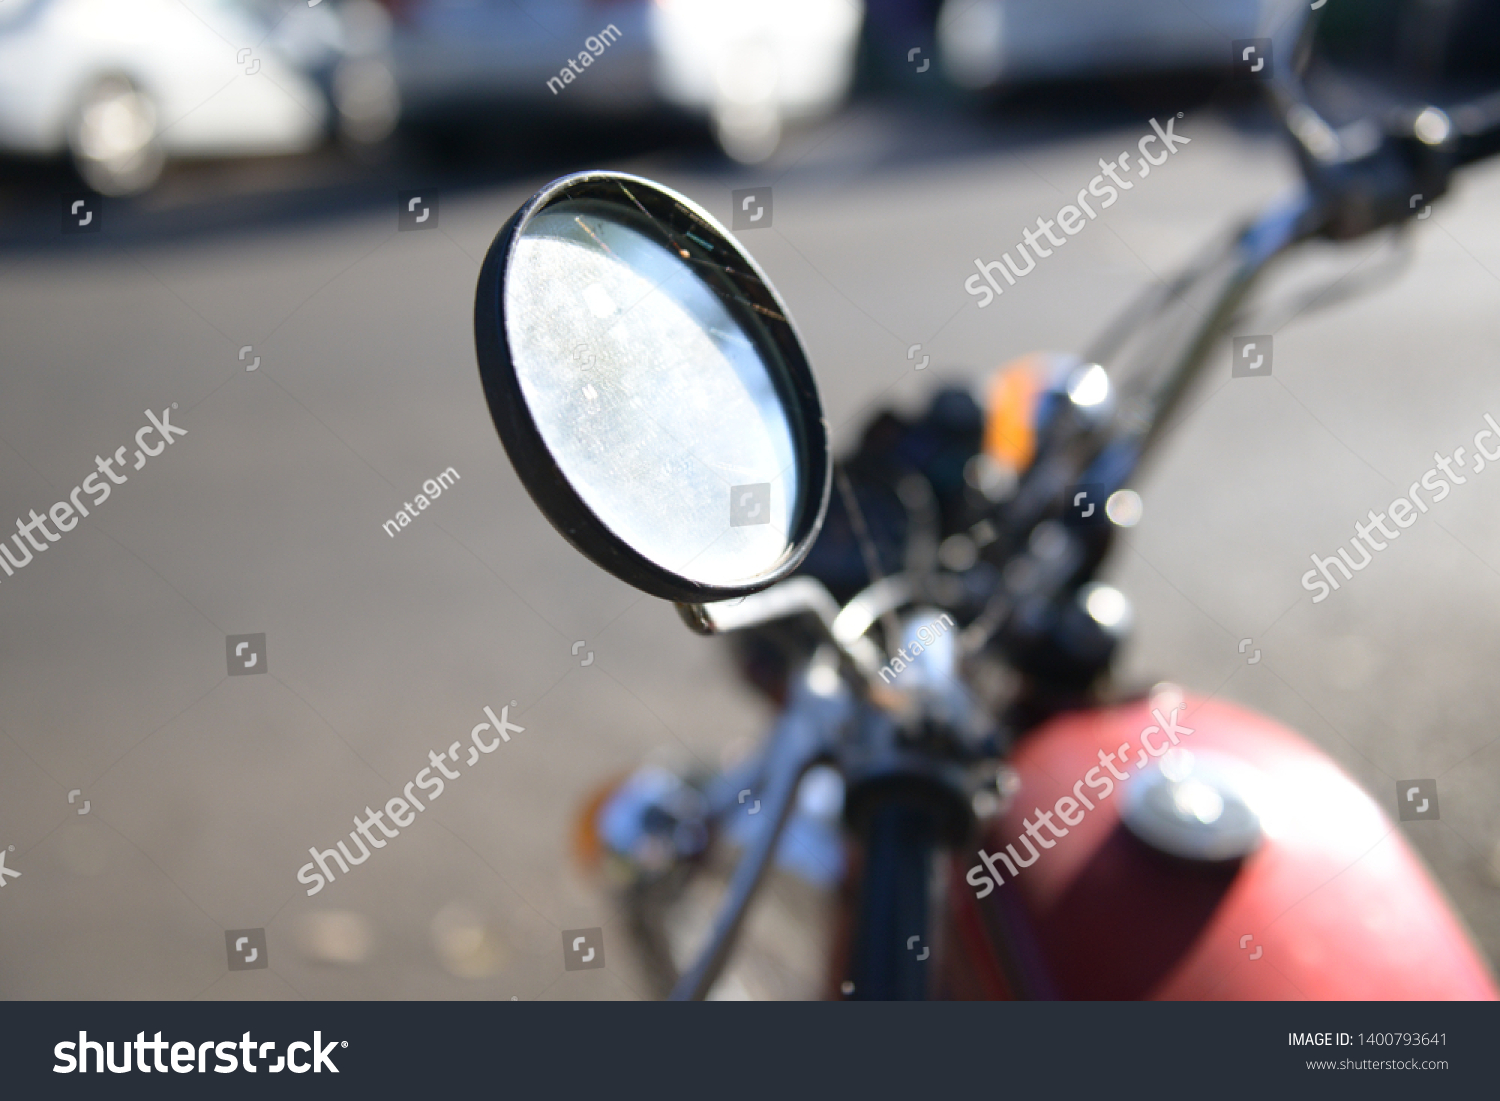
(205, 790)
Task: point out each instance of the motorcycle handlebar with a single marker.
(794, 597)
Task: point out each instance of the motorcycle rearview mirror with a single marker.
(651, 390)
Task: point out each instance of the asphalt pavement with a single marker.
(160, 788)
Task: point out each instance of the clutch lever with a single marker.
(806, 734)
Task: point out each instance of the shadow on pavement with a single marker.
(204, 199)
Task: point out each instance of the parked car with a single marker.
(752, 65)
(124, 85)
(451, 56)
(986, 44)
(747, 66)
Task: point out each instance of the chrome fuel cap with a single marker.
(1197, 806)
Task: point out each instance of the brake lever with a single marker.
(806, 734)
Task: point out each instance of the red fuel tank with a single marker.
(1331, 904)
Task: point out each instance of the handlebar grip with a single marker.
(891, 958)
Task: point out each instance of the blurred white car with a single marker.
(988, 43)
(751, 65)
(746, 65)
(123, 85)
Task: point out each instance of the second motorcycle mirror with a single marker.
(650, 389)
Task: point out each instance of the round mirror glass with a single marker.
(664, 385)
